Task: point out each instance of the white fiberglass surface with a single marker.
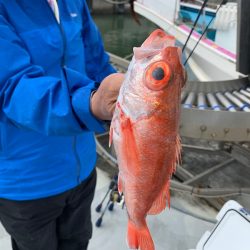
(235, 228)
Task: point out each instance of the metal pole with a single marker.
(208, 172)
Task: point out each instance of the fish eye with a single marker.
(158, 75)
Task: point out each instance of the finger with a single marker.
(112, 108)
(117, 80)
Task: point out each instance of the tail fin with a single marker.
(139, 238)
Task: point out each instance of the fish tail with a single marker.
(139, 238)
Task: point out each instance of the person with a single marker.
(56, 89)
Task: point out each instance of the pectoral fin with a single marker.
(129, 147)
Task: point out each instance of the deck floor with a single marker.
(171, 230)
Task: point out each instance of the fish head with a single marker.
(155, 77)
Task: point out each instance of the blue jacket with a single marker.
(47, 73)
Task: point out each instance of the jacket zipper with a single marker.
(63, 63)
(77, 160)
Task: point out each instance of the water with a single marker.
(121, 33)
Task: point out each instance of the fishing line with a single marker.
(195, 23)
(204, 32)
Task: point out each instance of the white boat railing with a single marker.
(216, 61)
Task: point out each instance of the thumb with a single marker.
(114, 81)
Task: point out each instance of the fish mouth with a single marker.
(159, 40)
(156, 42)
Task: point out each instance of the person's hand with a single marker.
(104, 99)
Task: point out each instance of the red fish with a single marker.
(144, 130)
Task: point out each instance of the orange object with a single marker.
(144, 131)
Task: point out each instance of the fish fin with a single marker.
(168, 193)
(139, 238)
(119, 185)
(178, 152)
(129, 147)
(161, 201)
(159, 39)
(132, 236)
(110, 136)
(159, 204)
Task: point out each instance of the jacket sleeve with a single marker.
(97, 60)
(32, 100)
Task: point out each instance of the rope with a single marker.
(195, 23)
(204, 32)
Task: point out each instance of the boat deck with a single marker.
(171, 230)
